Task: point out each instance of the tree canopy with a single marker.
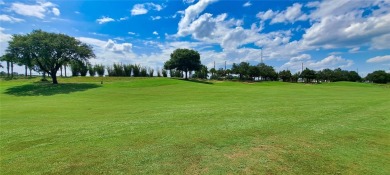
(379, 76)
(47, 52)
(184, 60)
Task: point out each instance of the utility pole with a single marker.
(302, 66)
(225, 65)
(261, 55)
(214, 64)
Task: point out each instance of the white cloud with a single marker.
(10, 19)
(155, 33)
(188, 1)
(104, 19)
(123, 18)
(336, 7)
(38, 10)
(331, 62)
(155, 17)
(56, 11)
(120, 48)
(379, 59)
(247, 4)
(140, 9)
(354, 50)
(290, 15)
(2, 2)
(269, 14)
(110, 45)
(131, 33)
(342, 24)
(381, 42)
(191, 13)
(178, 13)
(4, 38)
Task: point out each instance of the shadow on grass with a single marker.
(48, 89)
(197, 81)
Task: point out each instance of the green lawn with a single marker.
(170, 126)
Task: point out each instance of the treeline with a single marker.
(242, 71)
(263, 72)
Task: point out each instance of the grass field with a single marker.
(170, 126)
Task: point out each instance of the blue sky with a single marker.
(352, 35)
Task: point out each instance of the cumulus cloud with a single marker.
(379, 59)
(332, 62)
(119, 48)
(104, 19)
(140, 9)
(269, 14)
(344, 25)
(4, 38)
(10, 19)
(155, 33)
(38, 10)
(191, 13)
(290, 15)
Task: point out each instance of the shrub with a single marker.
(136, 70)
(127, 70)
(99, 70)
(164, 73)
(91, 70)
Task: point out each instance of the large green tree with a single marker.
(49, 51)
(242, 69)
(308, 75)
(379, 76)
(184, 60)
(285, 75)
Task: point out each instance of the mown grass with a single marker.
(170, 126)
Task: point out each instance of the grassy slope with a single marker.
(174, 126)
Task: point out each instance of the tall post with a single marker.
(302, 66)
(261, 55)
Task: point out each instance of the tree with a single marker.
(285, 75)
(242, 69)
(10, 60)
(254, 71)
(99, 70)
(20, 51)
(49, 51)
(354, 76)
(308, 75)
(379, 76)
(91, 70)
(267, 72)
(213, 71)
(184, 60)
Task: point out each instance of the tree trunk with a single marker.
(12, 69)
(54, 78)
(7, 68)
(25, 70)
(30, 72)
(186, 73)
(61, 70)
(65, 69)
